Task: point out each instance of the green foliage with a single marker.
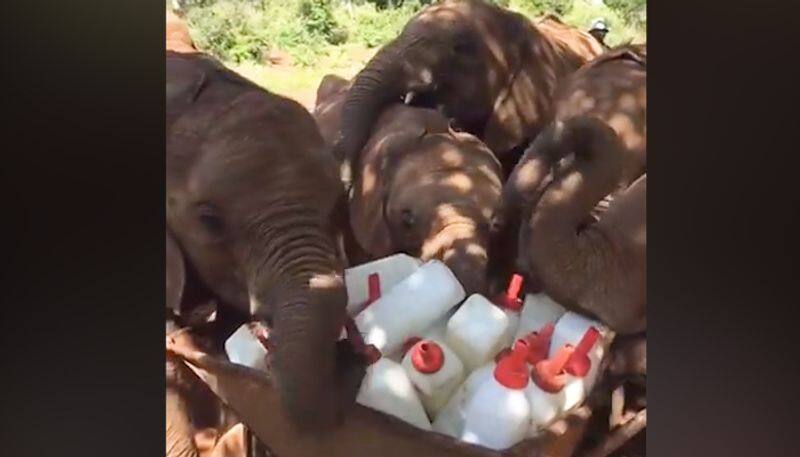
(542, 7)
(319, 21)
(632, 11)
(230, 30)
(370, 26)
(241, 31)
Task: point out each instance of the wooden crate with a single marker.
(365, 432)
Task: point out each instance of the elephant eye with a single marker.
(407, 217)
(208, 215)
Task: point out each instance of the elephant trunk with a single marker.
(382, 81)
(464, 250)
(296, 285)
(557, 248)
(180, 432)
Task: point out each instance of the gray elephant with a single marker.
(251, 202)
(493, 71)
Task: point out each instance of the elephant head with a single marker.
(250, 199)
(598, 268)
(613, 88)
(491, 70)
(427, 191)
(327, 112)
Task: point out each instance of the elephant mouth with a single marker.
(422, 99)
(428, 99)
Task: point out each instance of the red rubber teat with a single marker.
(510, 299)
(539, 343)
(549, 374)
(512, 371)
(579, 363)
(373, 288)
(427, 357)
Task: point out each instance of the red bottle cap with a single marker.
(549, 374)
(510, 299)
(512, 371)
(427, 357)
(579, 363)
(373, 289)
(539, 343)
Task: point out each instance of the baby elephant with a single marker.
(253, 206)
(599, 268)
(422, 188)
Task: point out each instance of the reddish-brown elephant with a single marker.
(491, 70)
(423, 189)
(251, 199)
(599, 268)
(612, 88)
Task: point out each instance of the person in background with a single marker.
(599, 30)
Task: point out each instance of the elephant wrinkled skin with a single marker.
(598, 268)
(251, 199)
(490, 69)
(612, 88)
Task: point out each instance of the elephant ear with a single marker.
(186, 77)
(176, 274)
(329, 86)
(522, 107)
(378, 163)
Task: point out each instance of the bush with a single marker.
(319, 21)
(372, 27)
(542, 7)
(632, 11)
(246, 30)
(232, 31)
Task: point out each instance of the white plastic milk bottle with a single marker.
(510, 303)
(476, 331)
(435, 331)
(578, 368)
(499, 414)
(435, 371)
(537, 311)
(391, 270)
(450, 419)
(571, 328)
(546, 392)
(410, 307)
(386, 388)
(248, 346)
